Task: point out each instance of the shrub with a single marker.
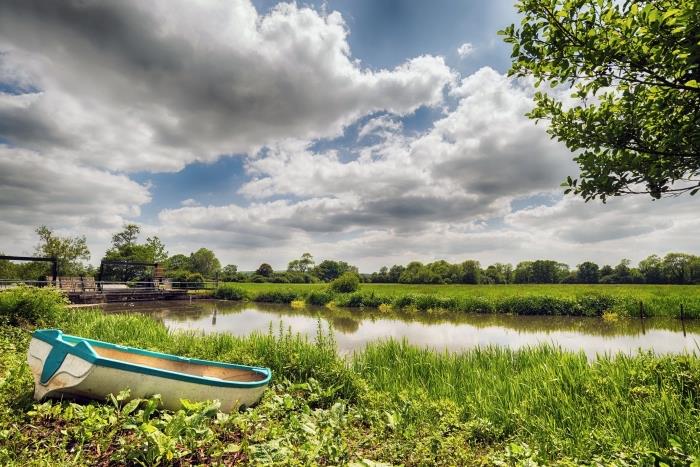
(23, 304)
(277, 296)
(346, 283)
(319, 297)
(230, 292)
(595, 304)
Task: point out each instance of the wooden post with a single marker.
(641, 310)
(681, 312)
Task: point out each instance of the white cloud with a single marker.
(131, 85)
(189, 202)
(465, 50)
(36, 190)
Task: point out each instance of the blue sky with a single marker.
(351, 129)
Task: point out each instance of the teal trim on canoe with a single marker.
(64, 344)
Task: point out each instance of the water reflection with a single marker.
(451, 331)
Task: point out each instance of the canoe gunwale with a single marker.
(72, 345)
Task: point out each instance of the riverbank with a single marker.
(390, 403)
(554, 299)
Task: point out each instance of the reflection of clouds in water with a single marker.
(354, 333)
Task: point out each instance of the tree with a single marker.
(523, 273)
(652, 270)
(68, 250)
(676, 268)
(395, 273)
(204, 261)
(328, 269)
(587, 273)
(229, 273)
(157, 249)
(265, 270)
(498, 273)
(633, 69)
(548, 271)
(606, 271)
(126, 248)
(126, 238)
(178, 262)
(470, 272)
(304, 264)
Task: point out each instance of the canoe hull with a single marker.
(78, 377)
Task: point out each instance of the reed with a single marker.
(555, 399)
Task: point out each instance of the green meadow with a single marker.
(526, 299)
(390, 404)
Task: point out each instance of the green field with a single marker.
(391, 403)
(554, 299)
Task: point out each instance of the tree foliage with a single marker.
(633, 118)
(204, 262)
(264, 270)
(328, 269)
(304, 264)
(69, 251)
(125, 247)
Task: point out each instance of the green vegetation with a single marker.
(346, 283)
(633, 69)
(674, 268)
(391, 403)
(576, 300)
(30, 305)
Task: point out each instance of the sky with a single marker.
(376, 133)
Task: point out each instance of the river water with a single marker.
(353, 329)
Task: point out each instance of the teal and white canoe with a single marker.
(66, 365)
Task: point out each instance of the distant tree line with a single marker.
(202, 264)
(674, 268)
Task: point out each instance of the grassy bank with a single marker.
(391, 403)
(560, 299)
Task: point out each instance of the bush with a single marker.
(179, 277)
(595, 304)
(230, 292)
(359, 299)
(346, 283)
(277, 296)
(319, 297)
(23, 304)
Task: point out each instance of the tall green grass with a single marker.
(390, 403)
(290, 356)
(555, 300)
(555, 399)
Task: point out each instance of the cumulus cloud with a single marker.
(465, 50)
(453, 178)
(131, 85)
(466, 167)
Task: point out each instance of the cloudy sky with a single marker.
(373, 132)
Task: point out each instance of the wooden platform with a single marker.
(126, 295)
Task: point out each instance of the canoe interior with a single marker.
(196, 369)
